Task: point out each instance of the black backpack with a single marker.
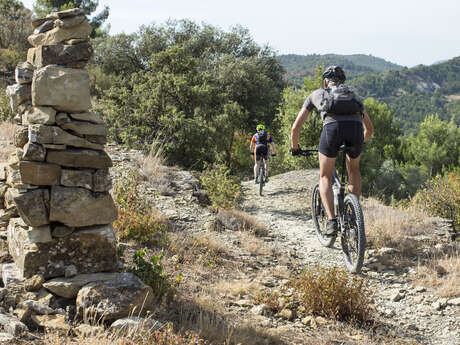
(262, 137)
(340, 101)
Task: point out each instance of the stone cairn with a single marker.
(54, 190)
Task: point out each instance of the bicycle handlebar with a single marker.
(307, 153)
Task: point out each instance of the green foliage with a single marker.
(44, 7)
(441, 197)
(222, 189)
(151, 272)
(6, 114)
(292, 102)
(196, 86)
(136, 219)
(437, 145)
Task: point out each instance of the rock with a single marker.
(11, 274)
(12, 325)
(7, 214)
(73, 12)
(3, 171)
(70, 271)
(60, 54)
(62, 231)
(36, 22)
(6, 338)
(33, 206)
(97, 139)
(74, 41)
(21, 136)
(34, 283)
(34, 152)
(36, 307)
(134, 323)
(40, 174)
(69, 287)
(87, 117)
(286, 314)
(40, 115)
(115, 299)
(79, 207)
(55, 323)
(86, 128)
(78, 158)
(42, 134)
(454, 301)
(18, 94)
(62, 118)
(64, 89)
(418, 299)
(24, 72)
(261, 309)
(85, 330)
(69, 21)
(102, 182)
(77, 178)
(60, 34)
(397, 296)
(90, 250)
(44, 27)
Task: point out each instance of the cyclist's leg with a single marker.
(326, 169)
(256, 161)
(354, 176)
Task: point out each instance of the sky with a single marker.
(406, 32)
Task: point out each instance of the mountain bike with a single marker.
(349, 217)
(261, 174)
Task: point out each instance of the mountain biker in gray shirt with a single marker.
(351, 129)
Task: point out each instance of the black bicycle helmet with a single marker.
(334, 73)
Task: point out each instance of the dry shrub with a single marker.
(442, 273)
(389, 227)
(152, 166)
(240, 221)
(136, 219)
(334, 293)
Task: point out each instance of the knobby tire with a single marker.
(353, 237)
(319, 216)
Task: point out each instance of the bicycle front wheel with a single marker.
(319, 215)
(353, 234)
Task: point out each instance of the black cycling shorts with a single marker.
(334, 134)
(261, 151)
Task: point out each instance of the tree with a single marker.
(198, 88)
(44, 7)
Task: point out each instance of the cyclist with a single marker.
(260, 143)
(352, 127)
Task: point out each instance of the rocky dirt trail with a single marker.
(409, 311)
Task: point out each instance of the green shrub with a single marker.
(223, 190)
(441, 197)
(136, 219)
(151, 273)
(6, 114)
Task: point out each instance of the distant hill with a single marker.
(413, 93)
(300, 66)
(416, 92)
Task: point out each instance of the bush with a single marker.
(328, 292)
(151, 273)
(441, 197)
(223, 190)
(6, 114)
(136, 219)
(334, 293)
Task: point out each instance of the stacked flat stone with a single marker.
(55, 190)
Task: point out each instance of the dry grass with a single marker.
(152, 166)
(239, 287)
(441, 272)
(240, 221)
(390, 227)
(254, 245)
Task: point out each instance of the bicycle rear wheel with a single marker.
(261, 176)
(353, 236)
(319, 216)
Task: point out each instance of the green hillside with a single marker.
(300, 66)
(416, 92)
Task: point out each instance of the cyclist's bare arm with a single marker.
(297, 126)
(368, 126)
(273, 147)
